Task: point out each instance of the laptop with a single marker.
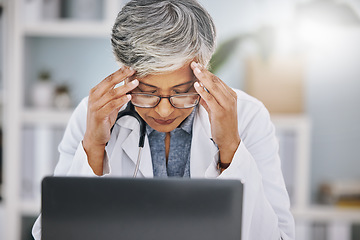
(76, 208)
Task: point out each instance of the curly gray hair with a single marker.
(157, 36)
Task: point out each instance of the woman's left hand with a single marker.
(220, 101)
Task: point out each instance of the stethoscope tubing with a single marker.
(130, 111)
(137, 166)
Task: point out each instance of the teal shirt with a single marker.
(179, 154)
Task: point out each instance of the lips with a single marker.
(164, 122)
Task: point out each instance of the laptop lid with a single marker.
(76, 208)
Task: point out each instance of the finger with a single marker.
(108, 84)
(118, 76)
(114, 105)
(211, 103)
(122, 90)
(218, 83)
(203, 103)
(228, 92)
(115, 93)
(212, 84)
(110, 81)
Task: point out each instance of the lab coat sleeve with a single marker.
(73, 159)
(266, 207)
(36, 230)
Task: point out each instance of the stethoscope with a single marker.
(130, 111)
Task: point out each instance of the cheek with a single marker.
(186, 112)
(143, 112)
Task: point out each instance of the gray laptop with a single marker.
(75, 208)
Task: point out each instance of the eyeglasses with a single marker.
(144, 100)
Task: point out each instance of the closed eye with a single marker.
(180, 92)
(138, 89)
(184, 90)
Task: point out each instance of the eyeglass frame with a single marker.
(168, 97)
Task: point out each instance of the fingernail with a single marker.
(197, 70)
(134, 82)
(131, 69)
(128, 96)
(196, 84)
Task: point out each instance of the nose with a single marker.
(164, 108)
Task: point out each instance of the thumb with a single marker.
(113, 115)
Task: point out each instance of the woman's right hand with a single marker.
(104, 104)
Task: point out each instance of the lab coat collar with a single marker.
(202, 152)
(131, 148)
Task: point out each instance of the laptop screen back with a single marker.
(76, 208)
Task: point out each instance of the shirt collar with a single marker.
(186, 125)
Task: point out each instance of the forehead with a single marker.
(170, 79)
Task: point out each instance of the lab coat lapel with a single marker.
(131, 146)
(203, 149)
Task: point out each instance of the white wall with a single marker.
(333, 102)
(332, 82)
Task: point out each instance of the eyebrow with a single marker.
(149, 85)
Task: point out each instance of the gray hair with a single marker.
(157, 36)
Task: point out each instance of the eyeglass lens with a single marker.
(177, 101)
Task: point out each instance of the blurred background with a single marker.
(300, 57)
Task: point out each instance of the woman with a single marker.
(164, 47)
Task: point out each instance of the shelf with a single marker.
(31, 122)
(327, 214)
(30, 208)
(289, 120)
(68, 29)
(52, 117)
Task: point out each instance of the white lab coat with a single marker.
(256, 163)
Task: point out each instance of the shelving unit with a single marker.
(20, 119)
(320, 213)
(299, 127)
(68, 29)
(2, 58)
(46, 117)
(312, 221)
